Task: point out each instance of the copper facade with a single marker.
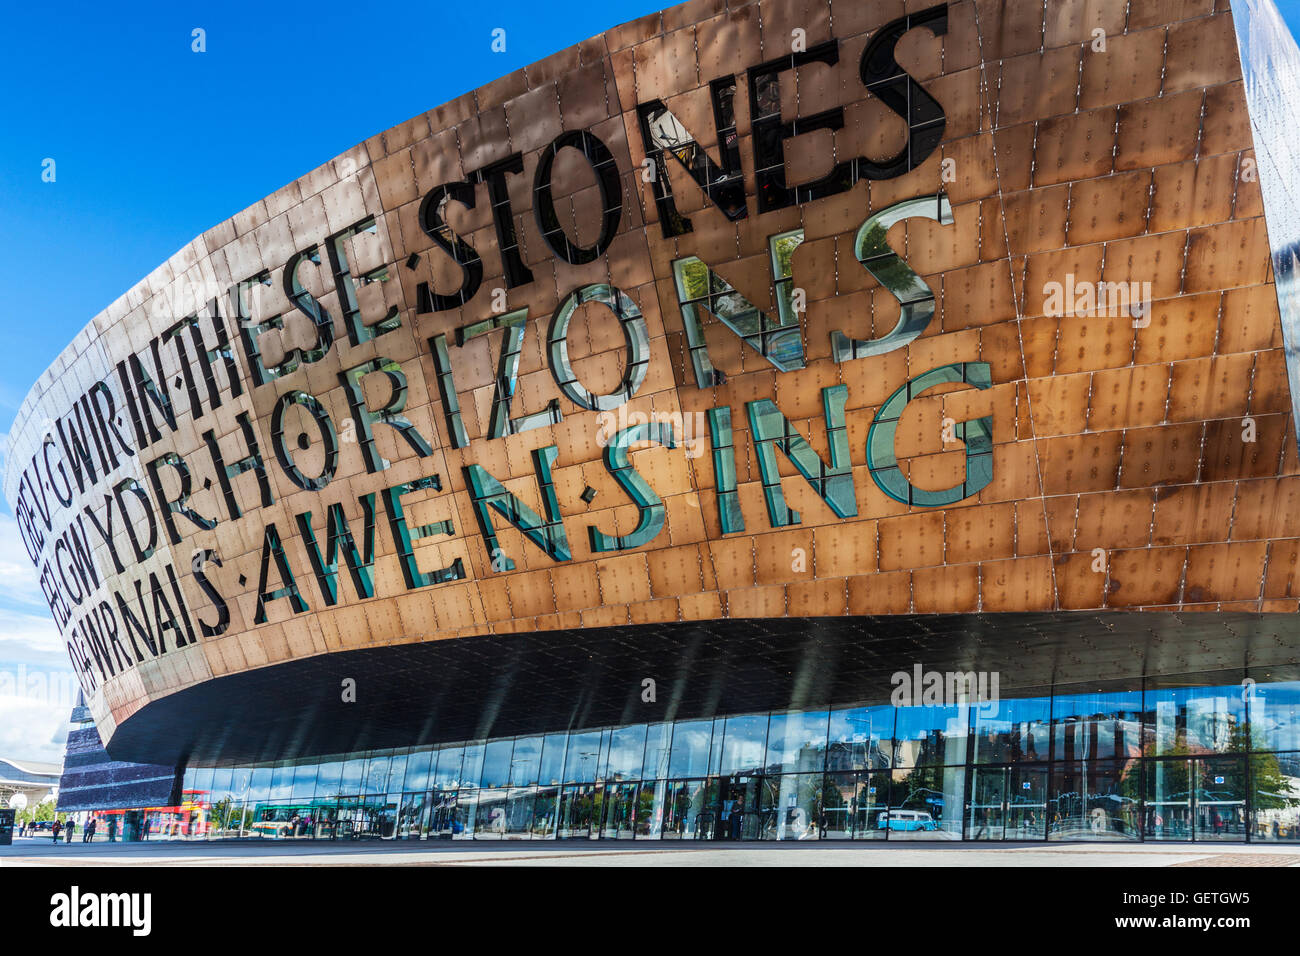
(1141, 455)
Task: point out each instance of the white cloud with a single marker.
(30, 637)
(19, 583)
(32, 729)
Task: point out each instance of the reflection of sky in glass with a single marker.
(1275, 716)
(643, 768)
(1196, 719)
(744, 743)
(657, 751)
(447, 769)
(1270, 66)
(552, 769)
(419, 769)
(496, 763)
(1097, 724)
(796, 742)
(580, 766)
(690, 750)
(526, 761)
(1016, 729)
(626, 752)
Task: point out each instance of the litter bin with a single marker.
(7, 827)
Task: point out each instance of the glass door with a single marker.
(519, 813)
(986, 812)
(687, 815)
(412, 818)
(445, 820)
(349, 821)
(738, 810)
(1026, 817)
(1167, 810)
(1221, 799)
(620, 811)
(325, 819)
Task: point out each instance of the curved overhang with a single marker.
(760, 352)
(555, 681)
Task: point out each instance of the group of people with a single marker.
(67, 830)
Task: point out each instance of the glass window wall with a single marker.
(1172, 762)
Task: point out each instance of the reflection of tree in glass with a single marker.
(891, 271)
(785, 247)
(694, 279)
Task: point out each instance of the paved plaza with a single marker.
(43, 852)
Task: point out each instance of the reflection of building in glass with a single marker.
(962, 773)
(332, 519)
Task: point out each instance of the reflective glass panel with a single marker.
(658, 749)
(526, 761)
(411, 816)
(281, 782)
(552, 767)
(1221, 798)
(396, 772)
(582, 761)
(1167, 811)
(496, 763)
(304, 781)
(986, 814)
(925, 803)
(929, 736)
(797, 742)
(626, 753)
(1095, 800)
(861, 738)
(650, 809)
(519, 811)
(580, 811)
(444, 819)
(1097, 725)
(375, 781)
(1011, 730)
(472, 766)
(1275, 796)
(419, 770)
(789, 806)
(838, 793)
(545, 807)
(684, 809)
(1196, 720)
(328, 775)
(690, 748)
(1026, 803)
(491, 817)
(198, 781)
(620, 811)
(744, 744)
(447, 768)
(353, 770)
(1275, 716)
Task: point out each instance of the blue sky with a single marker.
(154, 143)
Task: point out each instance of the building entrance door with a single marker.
(1007, 803)
(738, 811)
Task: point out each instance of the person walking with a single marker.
(88, 836)
(56, 829)
(70, 829)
